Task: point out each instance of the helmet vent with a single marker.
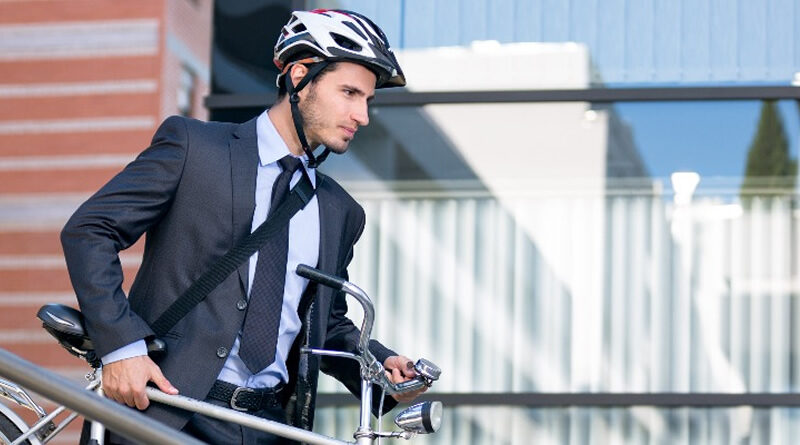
(345, 43)
(355, 29)
(299, 28)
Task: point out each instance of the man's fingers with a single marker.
(397, 376)
(400, 368)
(113, 390)
(407, 366)
(400, 363)
(140, 400)
(162, 382)
(126, 381)
(126, 395)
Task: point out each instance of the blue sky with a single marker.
(710, 138)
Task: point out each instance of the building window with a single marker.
(186, 92)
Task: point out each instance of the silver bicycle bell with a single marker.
(427, 370)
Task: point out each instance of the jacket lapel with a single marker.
(331, 219)
(244, 167)
(330, 223)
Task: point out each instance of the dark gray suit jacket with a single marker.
(193, 193)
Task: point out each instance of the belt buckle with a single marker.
(236, 392)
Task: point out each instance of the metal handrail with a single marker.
(124, 421)
(406, 98)
(536, 400)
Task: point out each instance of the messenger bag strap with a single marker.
(300, 195)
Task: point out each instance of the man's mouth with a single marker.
(349, 131)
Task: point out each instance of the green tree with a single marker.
(770, 170)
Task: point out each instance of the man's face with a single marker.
(336, 105)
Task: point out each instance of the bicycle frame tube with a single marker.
(97, 431)
(364, 435)
(243, 419)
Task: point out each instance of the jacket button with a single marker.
(241, 305)
(222, 352)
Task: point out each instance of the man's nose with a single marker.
(361, 115)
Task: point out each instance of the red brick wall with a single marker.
(83, 84)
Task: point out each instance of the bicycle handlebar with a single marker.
(320, 277)
(369, 363)
(337, 283)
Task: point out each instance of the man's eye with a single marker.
(348, 92)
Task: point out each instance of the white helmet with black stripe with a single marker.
(338, 35)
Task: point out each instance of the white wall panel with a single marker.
(682, 298)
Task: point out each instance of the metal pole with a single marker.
(127, 422)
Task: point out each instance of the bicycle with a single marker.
(66, 325)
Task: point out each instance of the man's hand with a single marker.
(125, 381)
(398, 371)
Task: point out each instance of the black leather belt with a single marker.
(241, 398)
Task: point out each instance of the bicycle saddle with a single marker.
(66, 324)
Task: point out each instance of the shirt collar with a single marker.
(271, 146)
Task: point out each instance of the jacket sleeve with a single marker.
(343, 335)
(112, 220)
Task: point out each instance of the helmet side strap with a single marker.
(297, 118)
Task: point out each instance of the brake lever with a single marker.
(427, 373)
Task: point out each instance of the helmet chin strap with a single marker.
(297, 118)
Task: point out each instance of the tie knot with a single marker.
(290, 163)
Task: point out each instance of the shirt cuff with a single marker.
(134, 349)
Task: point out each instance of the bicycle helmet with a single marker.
(339, 35)
(325, 36)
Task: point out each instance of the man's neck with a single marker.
(281, 117)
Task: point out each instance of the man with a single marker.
(196, 192)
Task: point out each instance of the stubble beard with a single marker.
(312, 119)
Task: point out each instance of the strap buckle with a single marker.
(235, 395)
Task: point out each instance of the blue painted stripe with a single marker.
(630, 41)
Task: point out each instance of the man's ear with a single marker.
(297, 72)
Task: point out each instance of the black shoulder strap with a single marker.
(300, 195)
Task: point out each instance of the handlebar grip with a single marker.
(320, 277)
(410, 385)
